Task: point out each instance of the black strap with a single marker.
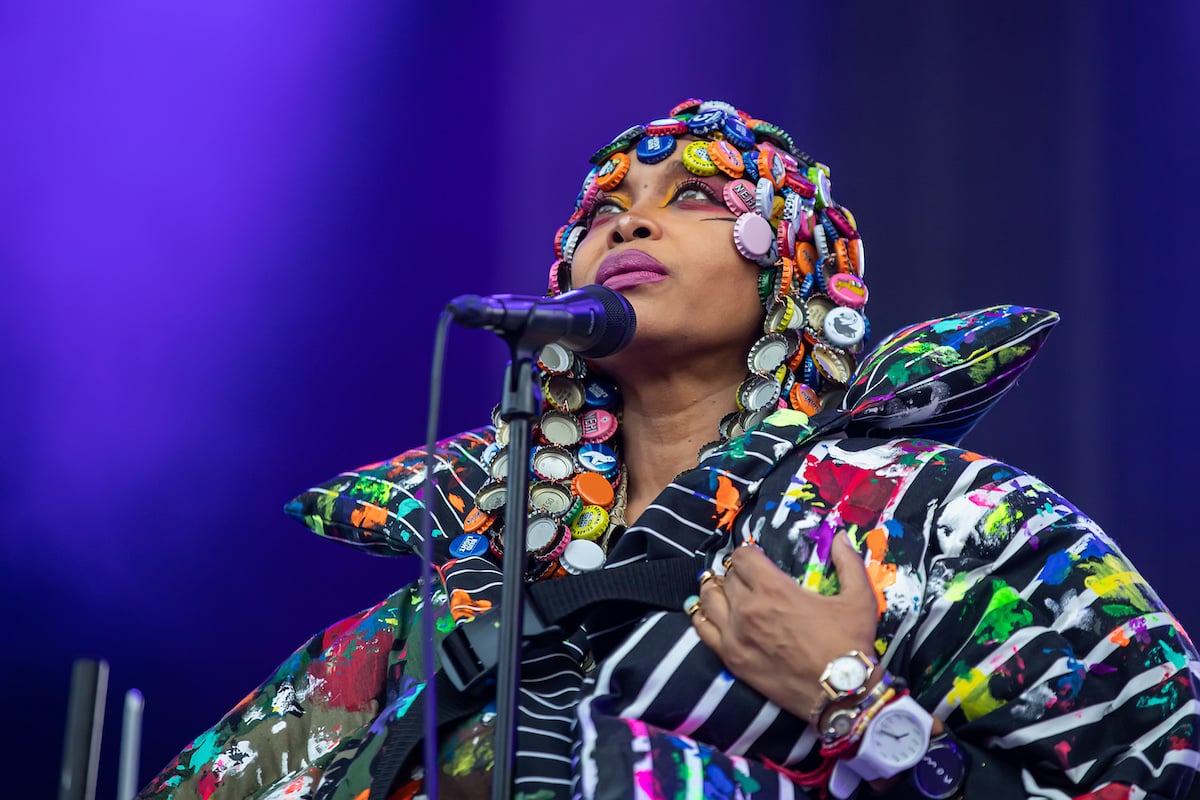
(662, 584)
(405, 733)
(470, 652)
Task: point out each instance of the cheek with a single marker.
(587, 260)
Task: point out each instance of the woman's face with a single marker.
(663, 238)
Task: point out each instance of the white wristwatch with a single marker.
(895, 740)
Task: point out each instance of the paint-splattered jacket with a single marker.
(1012, 616)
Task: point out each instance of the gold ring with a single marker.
(727, 562)
(693, 608)
(707, 576)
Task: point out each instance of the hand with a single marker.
(777, 636)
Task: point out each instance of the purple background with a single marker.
(228, 230)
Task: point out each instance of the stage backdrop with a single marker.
(228, 230)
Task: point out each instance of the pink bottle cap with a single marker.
(739, 196)
(598, 425)
(847, 290)
(752, 236)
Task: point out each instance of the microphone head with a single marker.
(620, 322)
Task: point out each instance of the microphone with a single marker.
(594, 321)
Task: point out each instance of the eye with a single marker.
(602, 208)
(693, 191)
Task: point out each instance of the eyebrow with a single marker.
(675, 169)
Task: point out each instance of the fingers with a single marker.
(851, 571)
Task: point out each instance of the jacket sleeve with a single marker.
(1046, 653)
(379, 507)
(318, 702)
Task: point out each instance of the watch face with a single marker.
(847, 674)
(898, 738)
(940, 772)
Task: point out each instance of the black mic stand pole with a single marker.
(517, 409)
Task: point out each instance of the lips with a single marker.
(630, 268)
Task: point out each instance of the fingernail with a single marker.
(690, 603)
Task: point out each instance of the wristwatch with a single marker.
(895, 740)
(942, 771)
(847, 675)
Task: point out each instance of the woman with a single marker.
(909, 615)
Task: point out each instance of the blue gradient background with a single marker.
(228, 230)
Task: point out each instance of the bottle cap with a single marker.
(597, 457)
(764, 198)
(551, 498)
(478, 521)
(791, 207)
(571, 243)
(593, 489)
(668, 126)
(770, 167)
(843, 327)
(780, 315)
(687, 106)
(545, 539)
(801, 186)
(858, 258)
(726, 157)
(766, 285)
(707, 450)
(490, 497)
(785, 238)
(555, 359)
(613, 171)
(841, 223)
(563, 393)
(468, 544)
(582, 556)
(497, 465)
(721, 105)
(697, 161)
(502, 433)
(806, 258)
(835, 364)
(752, 236)
(737, 133)
(598, 425)
(803, 397)
(816, 307)
(591, 524)
(599, 393)
(765, 130)
(769, 352)
(785, 277)
(654, 149)
(552, 463)
(727, 424)
(739, 196)
(760, 390)
(624, 139)
(555, 282)
(561, 428)
(706, 121)
(846, 289)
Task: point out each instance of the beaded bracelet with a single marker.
(842, 721)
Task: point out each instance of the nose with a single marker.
(633, 225)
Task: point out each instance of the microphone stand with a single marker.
(517, 409)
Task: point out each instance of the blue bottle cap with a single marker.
(599, 394)
(653, 149)
(706, 122)
(597, 457)
(750, 161)
(468, 544)
(737, 133)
